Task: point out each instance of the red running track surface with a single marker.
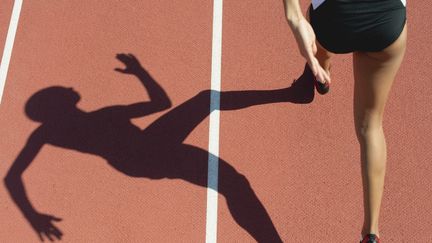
(301, 161)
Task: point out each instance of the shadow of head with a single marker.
(51, 103)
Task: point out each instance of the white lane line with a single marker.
(10, 38)
(213, 159)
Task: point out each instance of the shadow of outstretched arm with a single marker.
(41, 223)
(159, 100)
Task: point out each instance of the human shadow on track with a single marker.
(156, 152)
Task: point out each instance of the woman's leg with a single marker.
(322, 54)
(374, 73)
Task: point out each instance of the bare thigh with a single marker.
(374, 73)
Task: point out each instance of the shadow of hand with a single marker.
(43, 226)
(131, 62)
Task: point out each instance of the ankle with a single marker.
(364, 233)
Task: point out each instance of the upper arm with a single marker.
(28, 153)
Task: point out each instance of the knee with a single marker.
(368, 126)
(234, 184)
(204, 94)
(365, 133)
(241, 180)
(203, 98)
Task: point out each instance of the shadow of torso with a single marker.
(129, 149)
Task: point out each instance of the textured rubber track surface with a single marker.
(287, 170)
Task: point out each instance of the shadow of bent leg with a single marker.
(244, 205)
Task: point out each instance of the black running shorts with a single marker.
(344, 26)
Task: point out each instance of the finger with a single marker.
(133, 58)
(49, 236)
(40, 236)
(321, 76)
(54, 217)
(119, 70)
(56, 233)
(325, 76)
(119, 55)
(55, 229)
(123, 58)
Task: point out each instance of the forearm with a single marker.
(155, 91)
(293, 12)
(18, 194)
